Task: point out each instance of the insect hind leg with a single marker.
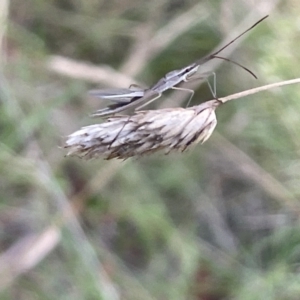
(148, 102)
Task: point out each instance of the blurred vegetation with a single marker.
(220, 222)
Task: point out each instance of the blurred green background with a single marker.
(218, 222)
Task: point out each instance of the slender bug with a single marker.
(126, 98)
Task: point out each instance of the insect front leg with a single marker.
(186, 90)
(213, 89)
(205, 76)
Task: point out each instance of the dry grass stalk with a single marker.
(145, 132)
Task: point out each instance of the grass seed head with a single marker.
(145, 132)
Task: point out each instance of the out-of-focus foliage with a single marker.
(220, 222)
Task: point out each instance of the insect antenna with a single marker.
(215, 54)
(232, 41)
(236, 63)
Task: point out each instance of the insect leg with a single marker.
(148, 98)
(148, 102)
(136, 87)
(213, 89)
(186, 90)
(205, 76)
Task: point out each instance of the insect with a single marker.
(126, 98)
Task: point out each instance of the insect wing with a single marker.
(123, 95)
(116, 108)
